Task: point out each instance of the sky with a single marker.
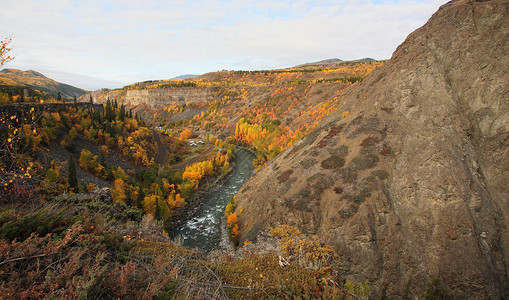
(95, 44)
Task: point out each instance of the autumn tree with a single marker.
(198, 170)
(118, 192)
(232, 223)
(4, 51)
(150, 203)
(120, 174)
(184, 135)
(175, 201)
(88, 162)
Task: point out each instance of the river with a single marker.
(205, 231)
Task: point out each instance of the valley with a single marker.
(336, 179)
(163, 161)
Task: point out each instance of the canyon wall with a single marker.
(159, 98)
(412, 187)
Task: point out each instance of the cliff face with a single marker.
(413, 184)
(159, 98)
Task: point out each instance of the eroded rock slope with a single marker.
(412, 185)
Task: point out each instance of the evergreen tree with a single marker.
(121, 113)
(71, 174)
(102, 159)
(91, 101)
(96, 116)
(75, 100)
(109, 114)
(128, 196)
(157, 214)
(141, 197)
(59, 97)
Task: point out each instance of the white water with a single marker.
(204, 230)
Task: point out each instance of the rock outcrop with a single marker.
(159, 98)
(412, 187)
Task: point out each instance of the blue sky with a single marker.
(94, 44)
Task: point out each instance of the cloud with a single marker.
(127, 41)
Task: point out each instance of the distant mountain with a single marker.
(37, 81)
(186, 76)
(362, 60)
(332, 61)
(322, 62)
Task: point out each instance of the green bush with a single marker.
(40, 222)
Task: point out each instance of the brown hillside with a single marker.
(411, 188)
(35, 80)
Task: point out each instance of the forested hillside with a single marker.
(265, 110)
(86, 201)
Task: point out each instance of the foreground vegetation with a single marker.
(76, 246)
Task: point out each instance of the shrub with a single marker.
(333, 162)
(88, 162)
(365, 162)
(436, 289)
(310, 252)
(382, 174)
(361, 289)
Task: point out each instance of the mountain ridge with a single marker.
(185, 76)
(336, 61)
(38, 81)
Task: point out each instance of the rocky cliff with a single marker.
(412, 187)
(159, 98)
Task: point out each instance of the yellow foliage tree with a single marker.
(118, 192)
(4, 51)
(198, 170)
(184, 135)
(164, 209)
(149, 204)
(232, 222)
(167, 187)
(120, 174)
(176, 201)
